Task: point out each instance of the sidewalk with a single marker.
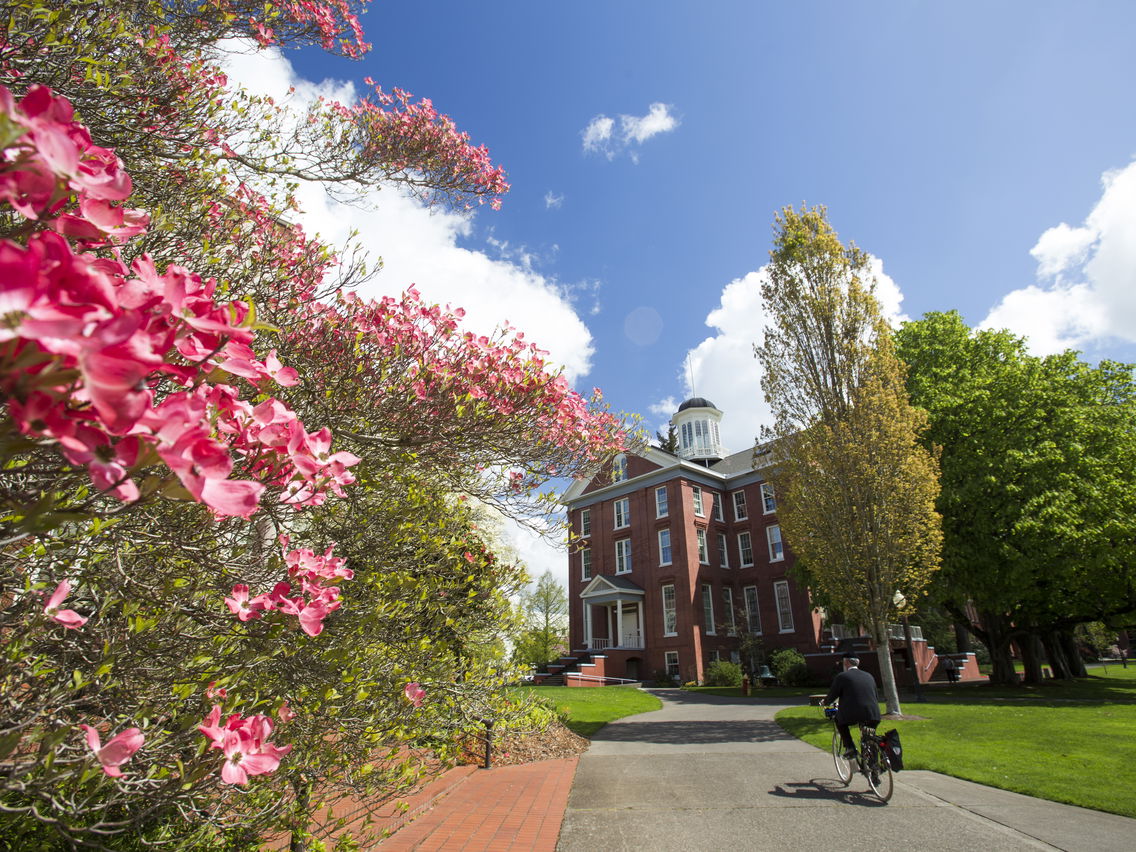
(494, 810)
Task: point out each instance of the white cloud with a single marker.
(724, 369)
(552, 201)
(599, 136)
(420, 246)
(657, 120)
(1086, 290)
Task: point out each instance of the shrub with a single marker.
(661, 678)
(788, 664)
(723, 673)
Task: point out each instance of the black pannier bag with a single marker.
(894, 751)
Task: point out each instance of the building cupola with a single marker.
(696, 423)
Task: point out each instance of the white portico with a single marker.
(613, 614)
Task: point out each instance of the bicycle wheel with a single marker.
(879, 773)
(843, 767)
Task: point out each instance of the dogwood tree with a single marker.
(214, 579)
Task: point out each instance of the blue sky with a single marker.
(965, 145)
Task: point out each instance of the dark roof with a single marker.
(696, 402)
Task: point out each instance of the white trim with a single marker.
(756, 611)
(766, 497)
(673, 609)
(742, 550)
(708, 609)
(777, 587)
(626, 513)
(734, 499)
(623, 553)
(703, 547)
(698, 500)
(586, 565)
(666, 508)
(780, 543)
(723, 551)
(586, 513)
(662, 561)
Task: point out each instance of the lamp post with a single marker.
(899, 599)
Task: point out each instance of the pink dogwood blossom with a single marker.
(244, 743)
(119, 748)
(414, 694)
(67, 617)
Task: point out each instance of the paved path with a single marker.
(710, 773)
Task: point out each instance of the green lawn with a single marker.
(590, 708)
(1072, 742)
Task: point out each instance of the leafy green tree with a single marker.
(1038, 486)
(544, 622)
(669, 441)
(856, 488)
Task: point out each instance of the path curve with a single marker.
(707, 772)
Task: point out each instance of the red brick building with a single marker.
(676, 555)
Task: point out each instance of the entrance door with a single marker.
(630, 638)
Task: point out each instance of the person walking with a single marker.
(855, 689)
(950, 667)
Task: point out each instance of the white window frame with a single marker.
(619, 468)
(784, 606)
(739, 501)
(670, 610)
(699, 504)
(670, 659)
(776, 544)
(728, 603)
(716, 496)
(621, 508)
(585, 563)
(723, 551)
(703, 547)
(665, 554)
(585, 523)
(623, 556)
(708, 609)
(768, 499)
(753, 611)
(662, 509)
(745, 542)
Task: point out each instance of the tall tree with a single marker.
(856, 487)
(1038, 485)
(544, 625)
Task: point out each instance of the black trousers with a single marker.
(846, 733)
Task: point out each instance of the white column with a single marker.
(619, 620)
(610, 641)
(642, 628)
(587, 625)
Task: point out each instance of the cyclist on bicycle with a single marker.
(859, 703)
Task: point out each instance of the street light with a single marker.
(899, 599)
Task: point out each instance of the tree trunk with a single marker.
(887, 674)
(997, 640)
(1056, 655)
(1072, 654)
(1031, 657)
(962, 638)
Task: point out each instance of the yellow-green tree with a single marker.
(856, 488)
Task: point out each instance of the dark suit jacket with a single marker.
(856, 690)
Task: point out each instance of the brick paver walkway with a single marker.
(508, 808)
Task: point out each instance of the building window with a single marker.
(784, 607)
(619, 468)
(664, 547)
(703, 550)
(622, 513)
(723, 553)
(776, 548)
(717, 498)
(585, 522)
(670, 618)
(768, 499)
(740, 506)
(715, 656)
(745, 549)
(708, 608)
(753, 617)
(672, 665)
(586, 563)
(698, 508)
(728, 603)
(623, 556)
(661, 510)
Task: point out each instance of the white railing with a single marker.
(598, 677)
(895, 631)
(631, 641)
